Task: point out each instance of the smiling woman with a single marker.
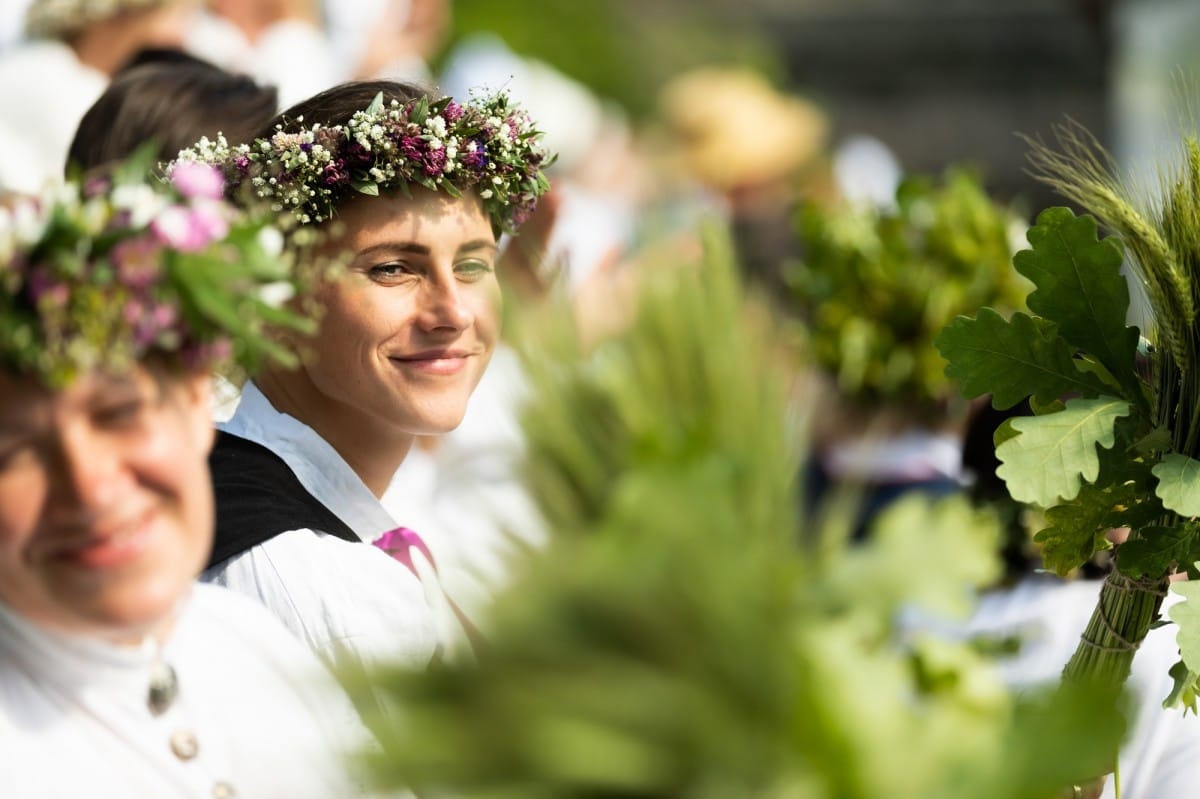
(113, 307)
(408, 195)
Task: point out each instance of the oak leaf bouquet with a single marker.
(1114, 439)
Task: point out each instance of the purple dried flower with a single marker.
(434, 162)
(335, 174)
(475, 159)
(357, 155)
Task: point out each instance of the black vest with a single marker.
(258, 497)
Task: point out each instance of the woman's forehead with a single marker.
(24, 392)
(426, 216)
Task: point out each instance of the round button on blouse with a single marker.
(223, 790)
(184, 744)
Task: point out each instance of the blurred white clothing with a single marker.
(12, 23)
(255, 711)
(293, 56)
(45, 90)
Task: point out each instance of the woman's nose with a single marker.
(86, 476)
(444, 306)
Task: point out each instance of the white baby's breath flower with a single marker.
(436, 126)
(140, 201)
(277, 294)
(27, 222)
(270, 239)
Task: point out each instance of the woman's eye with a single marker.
(117, 414)
(389, 271)
(472, 270)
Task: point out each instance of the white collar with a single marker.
(75, 665)
(318, 466)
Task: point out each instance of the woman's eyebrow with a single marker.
(409, 247)
(415, 248)
(478, 244)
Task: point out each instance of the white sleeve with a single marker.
(350, 602)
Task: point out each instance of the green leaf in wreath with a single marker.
(1179, 484)
(368, 187)
(1081, 289)
(1056, 453)
(1158, 550)
(1013, 359)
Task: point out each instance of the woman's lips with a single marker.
(435, 362)
(111, 548)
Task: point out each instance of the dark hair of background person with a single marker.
(173, 99)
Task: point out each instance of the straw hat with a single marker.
(56, 19)
(734, 129)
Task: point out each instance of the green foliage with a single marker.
(877, 285)
(680, 637)
(1089, 298)
(1077, 530)
(1077, 346)
(1179, 484)
(1186, 614)
(1122, 453)
(1012, 359)
(1055, 453)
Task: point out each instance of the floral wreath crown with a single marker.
(100, 274)
(488, 145)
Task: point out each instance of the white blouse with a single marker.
(352, 603)
(255, 715)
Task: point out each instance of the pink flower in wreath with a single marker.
(191, 229)
(197, 180)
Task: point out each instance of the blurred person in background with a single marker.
(751, 153)
(392, 39)
(74, 48)
(872, 288)
(279, 42)
(306, 46)
(170, 99)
